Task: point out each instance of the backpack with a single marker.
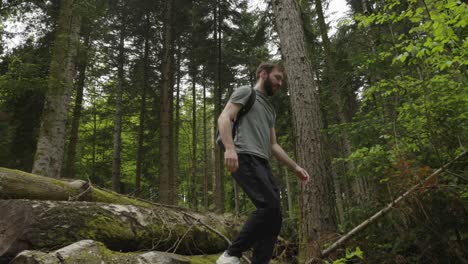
(243, 111)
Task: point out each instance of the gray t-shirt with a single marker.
(254, 129)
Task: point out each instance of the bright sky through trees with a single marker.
(335, 10)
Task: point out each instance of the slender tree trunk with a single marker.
(50, 145)
(219, 167)
(93, 157)
(235, 189)
(288, 193)
(71, 151)
(280, 180)
(331, 77)
(173, 181)
(364, 7)
(318, 214)
(141, 127)
(177, 120)
(193, 181)
(165, 136)
(116, 160)
(205, 151)
(193, 68)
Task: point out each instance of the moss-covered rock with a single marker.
(92, 252)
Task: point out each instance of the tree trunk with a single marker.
(93, 140)
(331, 77)
(235, 190)
(193, 181)
(116, 160)
(141, 127)
(176, 166)
(165, 136)
(71, 151)
(318, 215)
(21, 185)
(205, 151)
(50, 146)
(288, 192)
(32, 224)
(219, 166)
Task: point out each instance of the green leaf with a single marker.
(359, 253)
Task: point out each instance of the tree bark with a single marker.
(332, 80)
(288, 192)
(165, 135)
(318, 215)
(205, 151)
(50, 146)
(71, 151)
(176, 166)
(219, 166)
(94, 137)
(235, 190)
(116, 160)
(141, 127)
(32, 224)
(193, 180)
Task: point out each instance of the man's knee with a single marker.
(274, 215)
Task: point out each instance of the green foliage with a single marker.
(23, 81)
(411, 120)
(349, 256)
(418, 109)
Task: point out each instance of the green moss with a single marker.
(104, 227)
(102, 255)
(98, 195)
(31, 186)
(23, 185)
(203, 259)
(110, 256)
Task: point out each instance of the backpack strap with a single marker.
(244, 110)
(248, 105)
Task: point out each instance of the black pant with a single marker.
(263, 226)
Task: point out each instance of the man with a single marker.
(247, 158)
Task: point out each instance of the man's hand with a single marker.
(230, 160)
(302, 174)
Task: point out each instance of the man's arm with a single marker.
(283, 157)
(225, 130)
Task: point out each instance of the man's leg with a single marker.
(254, 177)
(263, 248)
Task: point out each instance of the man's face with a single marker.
(273, 82)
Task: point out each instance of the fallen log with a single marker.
(15, 184)
(34, 224)
(92, 252)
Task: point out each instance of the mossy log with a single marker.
(92, 252)
(34, 224)
(15, 184)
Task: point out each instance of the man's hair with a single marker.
(268, 67)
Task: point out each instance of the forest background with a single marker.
(142, 82)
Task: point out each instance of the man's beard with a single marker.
(268, 85)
